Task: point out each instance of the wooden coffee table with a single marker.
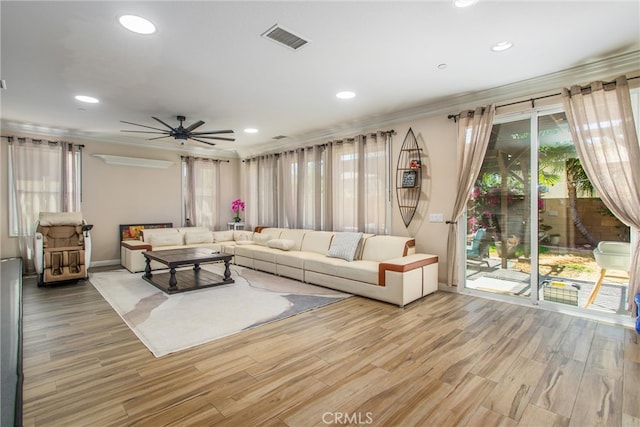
(186, 280)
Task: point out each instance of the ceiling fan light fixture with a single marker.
(137, 24)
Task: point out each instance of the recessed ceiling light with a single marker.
(442, 66)
(345, 94)
(137, 24)
(87, 99)
(500, 46)
(464, 3)
(251, 130)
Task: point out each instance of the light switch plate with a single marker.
(436, 217)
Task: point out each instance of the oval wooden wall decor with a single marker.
(409, 177)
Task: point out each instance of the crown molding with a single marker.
(605, 69)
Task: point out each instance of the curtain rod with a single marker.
(37, 140)
(205, 158)
(534, 99)
(339, 141)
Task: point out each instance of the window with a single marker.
(44, 177)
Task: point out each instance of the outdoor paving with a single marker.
(610, 299)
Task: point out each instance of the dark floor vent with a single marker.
(284, 37)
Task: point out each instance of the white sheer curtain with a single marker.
(360, 176)
(202, 198)
(474, 131)
(311, 207)
(44, 176)
(602, 126)
(288, 164)
(345, 167)
(250, 193)
(268, 190)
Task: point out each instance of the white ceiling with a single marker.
(207, 61)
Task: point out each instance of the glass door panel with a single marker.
(571, 221)
(498, 212)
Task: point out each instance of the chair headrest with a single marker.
(48, 219)
(614, 247)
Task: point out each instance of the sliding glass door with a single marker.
(499, 214)
(533, 220)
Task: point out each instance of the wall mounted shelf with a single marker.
(134, 161)
(409, 177)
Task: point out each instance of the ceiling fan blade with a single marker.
(146, 131)
(195, 125)
(144, 126)
(204, 142)
(158, 120)
(212, 132)
(158, 137)
(215, 137)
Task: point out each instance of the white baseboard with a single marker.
(105, 263)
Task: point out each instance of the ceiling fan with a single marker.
(182, 133)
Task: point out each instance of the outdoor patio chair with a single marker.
(479, 247)
(610, 256)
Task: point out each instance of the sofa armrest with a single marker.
(38, 260)
(136, 245)
(404, 264)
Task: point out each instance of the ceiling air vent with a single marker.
(279, 137)
(284, 37)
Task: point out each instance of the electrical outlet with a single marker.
(436, 217)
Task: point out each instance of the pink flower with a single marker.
(237, 206)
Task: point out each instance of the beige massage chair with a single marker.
(62, 247)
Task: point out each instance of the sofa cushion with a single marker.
(257, 252)
(361, 271)
(167, 239)
(282, 244)
(242, 236)
(223, 236)
(317, 241)
(297, 235)
(344, 245)
(297, 259)
(381, 248)
(192, 237)
(262, 239)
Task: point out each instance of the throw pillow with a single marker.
(167, 239)
(282, 244)
(344, 245)
(198, 237)
(261, 239)
(240, 236)
(223, 236)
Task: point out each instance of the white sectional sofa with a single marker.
(157, 239)
(381, 267)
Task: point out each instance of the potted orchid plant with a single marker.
(237, 206)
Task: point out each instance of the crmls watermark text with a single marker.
(346, 418)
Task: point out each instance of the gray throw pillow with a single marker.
(344, 245)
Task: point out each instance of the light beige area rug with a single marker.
(170, 323)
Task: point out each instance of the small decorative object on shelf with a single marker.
(409, 179)
(237, 206)
(414, 164)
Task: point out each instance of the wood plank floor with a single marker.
(446, 360)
